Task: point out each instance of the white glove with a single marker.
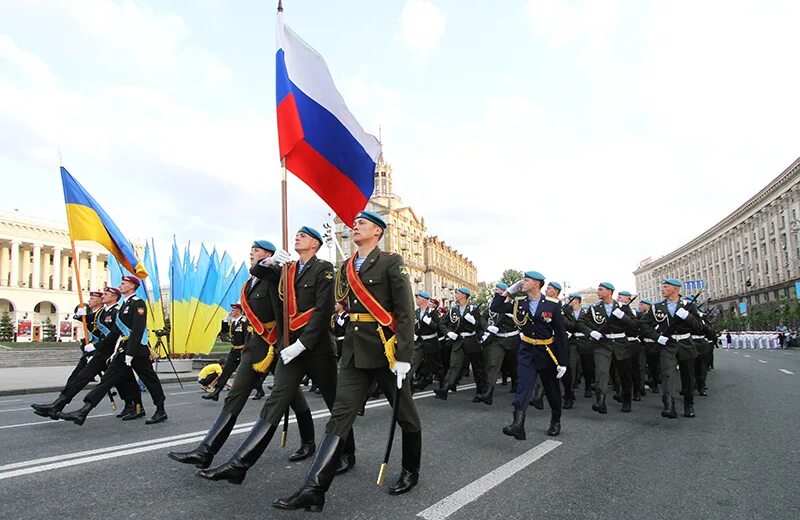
(401, 368)
(292, 351)
(427, 320)
(340, 321)
(484, 337)
(596, 335)
(514, 287)
(470, 318)
(618, 313)
(452, 335)
(128, 360)
(81, 312)
(492, 329)
(280, 257)
(662, 340)
(416, 338)
(682, 313)
(89, 348)
(560, 371)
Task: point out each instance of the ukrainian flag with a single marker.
(88, 221)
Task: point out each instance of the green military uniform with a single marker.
(612, 343)
(673, 334)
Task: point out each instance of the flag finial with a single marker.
(280, 6)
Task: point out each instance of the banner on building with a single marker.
(24, 329)
(65, 330)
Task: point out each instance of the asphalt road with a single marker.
(738, 459)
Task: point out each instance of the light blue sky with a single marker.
(575, 138)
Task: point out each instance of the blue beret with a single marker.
(313, 233)
(501, 286)
(647, 301)
(625, 293)
(372, 217)
(575, 296)
(689, 298)
(534, 275)
(266, 245)
(464, 290)
(672, 281)
(556, 285)
(423, 294)
(608, 285)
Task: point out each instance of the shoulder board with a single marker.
(134, 298)
(554, 300)
(598, 304)
(520, 298)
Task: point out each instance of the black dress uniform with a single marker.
(673, 334)
(467, 325)
(131, 322)
(103, 336)
(500, 347)
(580, 345)
(705, 348)
(612, 344)
(543, 337)
(339, 326)
(427, 361)
(364, 359)
(238, 331)
(91, 319)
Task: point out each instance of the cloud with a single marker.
(421, 27)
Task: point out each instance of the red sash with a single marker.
(269, 335)
(297, 320)
(373, 306)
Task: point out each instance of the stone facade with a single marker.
(752, 255)
(433, 266)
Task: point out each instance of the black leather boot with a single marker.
(669, 407)
(599, 405)
(554, 430)
(348, 458)
(305, 423)
(311, 496)
(626, 404)
(654, 388)
(135, 413)
(688, 406)
(259, 394)
(202, 456)
(441, 393)
(159, 416)
(412, 454)
(78, 416)
(245, 456)
(213, 396)
(488, 396)
(50, 410)
(637, 394)
(128, 408)
(517, 428)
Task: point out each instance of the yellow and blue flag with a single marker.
(88, 221)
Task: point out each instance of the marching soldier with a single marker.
(426, 361)
(607, 323)
(573, 312)
(651, 350)
(90, 310)
(625, 298)
(552, 290)
(310, 299)
(542, 351)
(671, 323)
(501, 346)
(705, 348)
(132, 353)
(238, 330)
(103, 335)
(378, 346)
(339, 322)
(464, 328)
(261, 306)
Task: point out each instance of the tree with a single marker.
(510, 276)
(48, 330)
(483, 295)
(6, 327)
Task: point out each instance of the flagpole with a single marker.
(285, 274)
(76, 267)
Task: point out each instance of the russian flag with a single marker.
(319, 138)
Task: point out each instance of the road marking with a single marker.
(11, 401)
(186, 392)
(786, 371)
(84, 457)
(747, 355)
(57, 422)
(471, 492)
(16, 409)
(761, 361)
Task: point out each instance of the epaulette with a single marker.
(134, 298)
(520, 298)
(598, 304)
(554, 300)
(387, 253)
